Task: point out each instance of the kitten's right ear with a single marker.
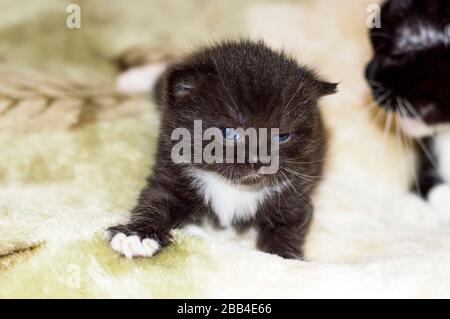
(328, 88)
(181, 82)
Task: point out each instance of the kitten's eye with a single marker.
(281, 138)
(230, 134)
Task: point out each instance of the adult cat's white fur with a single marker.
(439, 199)
(439, 196)
(442, 151)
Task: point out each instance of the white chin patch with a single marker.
(415, 128)
(133, 246)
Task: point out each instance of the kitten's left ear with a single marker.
(181, 81)
(327, 88)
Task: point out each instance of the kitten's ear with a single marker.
(327, 88)
(181, 82)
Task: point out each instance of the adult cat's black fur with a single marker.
(233, 85)
(410, 75)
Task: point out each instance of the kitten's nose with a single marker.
(257, 166)
(255, 163)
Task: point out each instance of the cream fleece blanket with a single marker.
(66, 178)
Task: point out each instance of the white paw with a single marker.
(133, 246)
(140, 79)
(439, 199)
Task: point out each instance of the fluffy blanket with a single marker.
(74, 154)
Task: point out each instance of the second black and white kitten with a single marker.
(229, 86)
(410, 75)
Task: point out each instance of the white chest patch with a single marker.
(230, 202)
(442, 151)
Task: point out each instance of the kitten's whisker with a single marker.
(307, 178)
(211, 94)
(300, 86)
(311, 162)
(225, 87)
(294, 192)
(279, 200)
(300, 174)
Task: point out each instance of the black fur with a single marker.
(428, 176)
(413, 68)
(237, 84)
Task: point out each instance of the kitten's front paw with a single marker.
(133, 246)
(439, 199)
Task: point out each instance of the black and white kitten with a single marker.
(410, 75)
(227, 86)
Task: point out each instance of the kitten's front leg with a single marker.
(158, 211)
(285, 236)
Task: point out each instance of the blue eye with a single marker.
(281, 137)
(230, 134)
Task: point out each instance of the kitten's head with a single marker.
(410, 70)
(247, 85)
